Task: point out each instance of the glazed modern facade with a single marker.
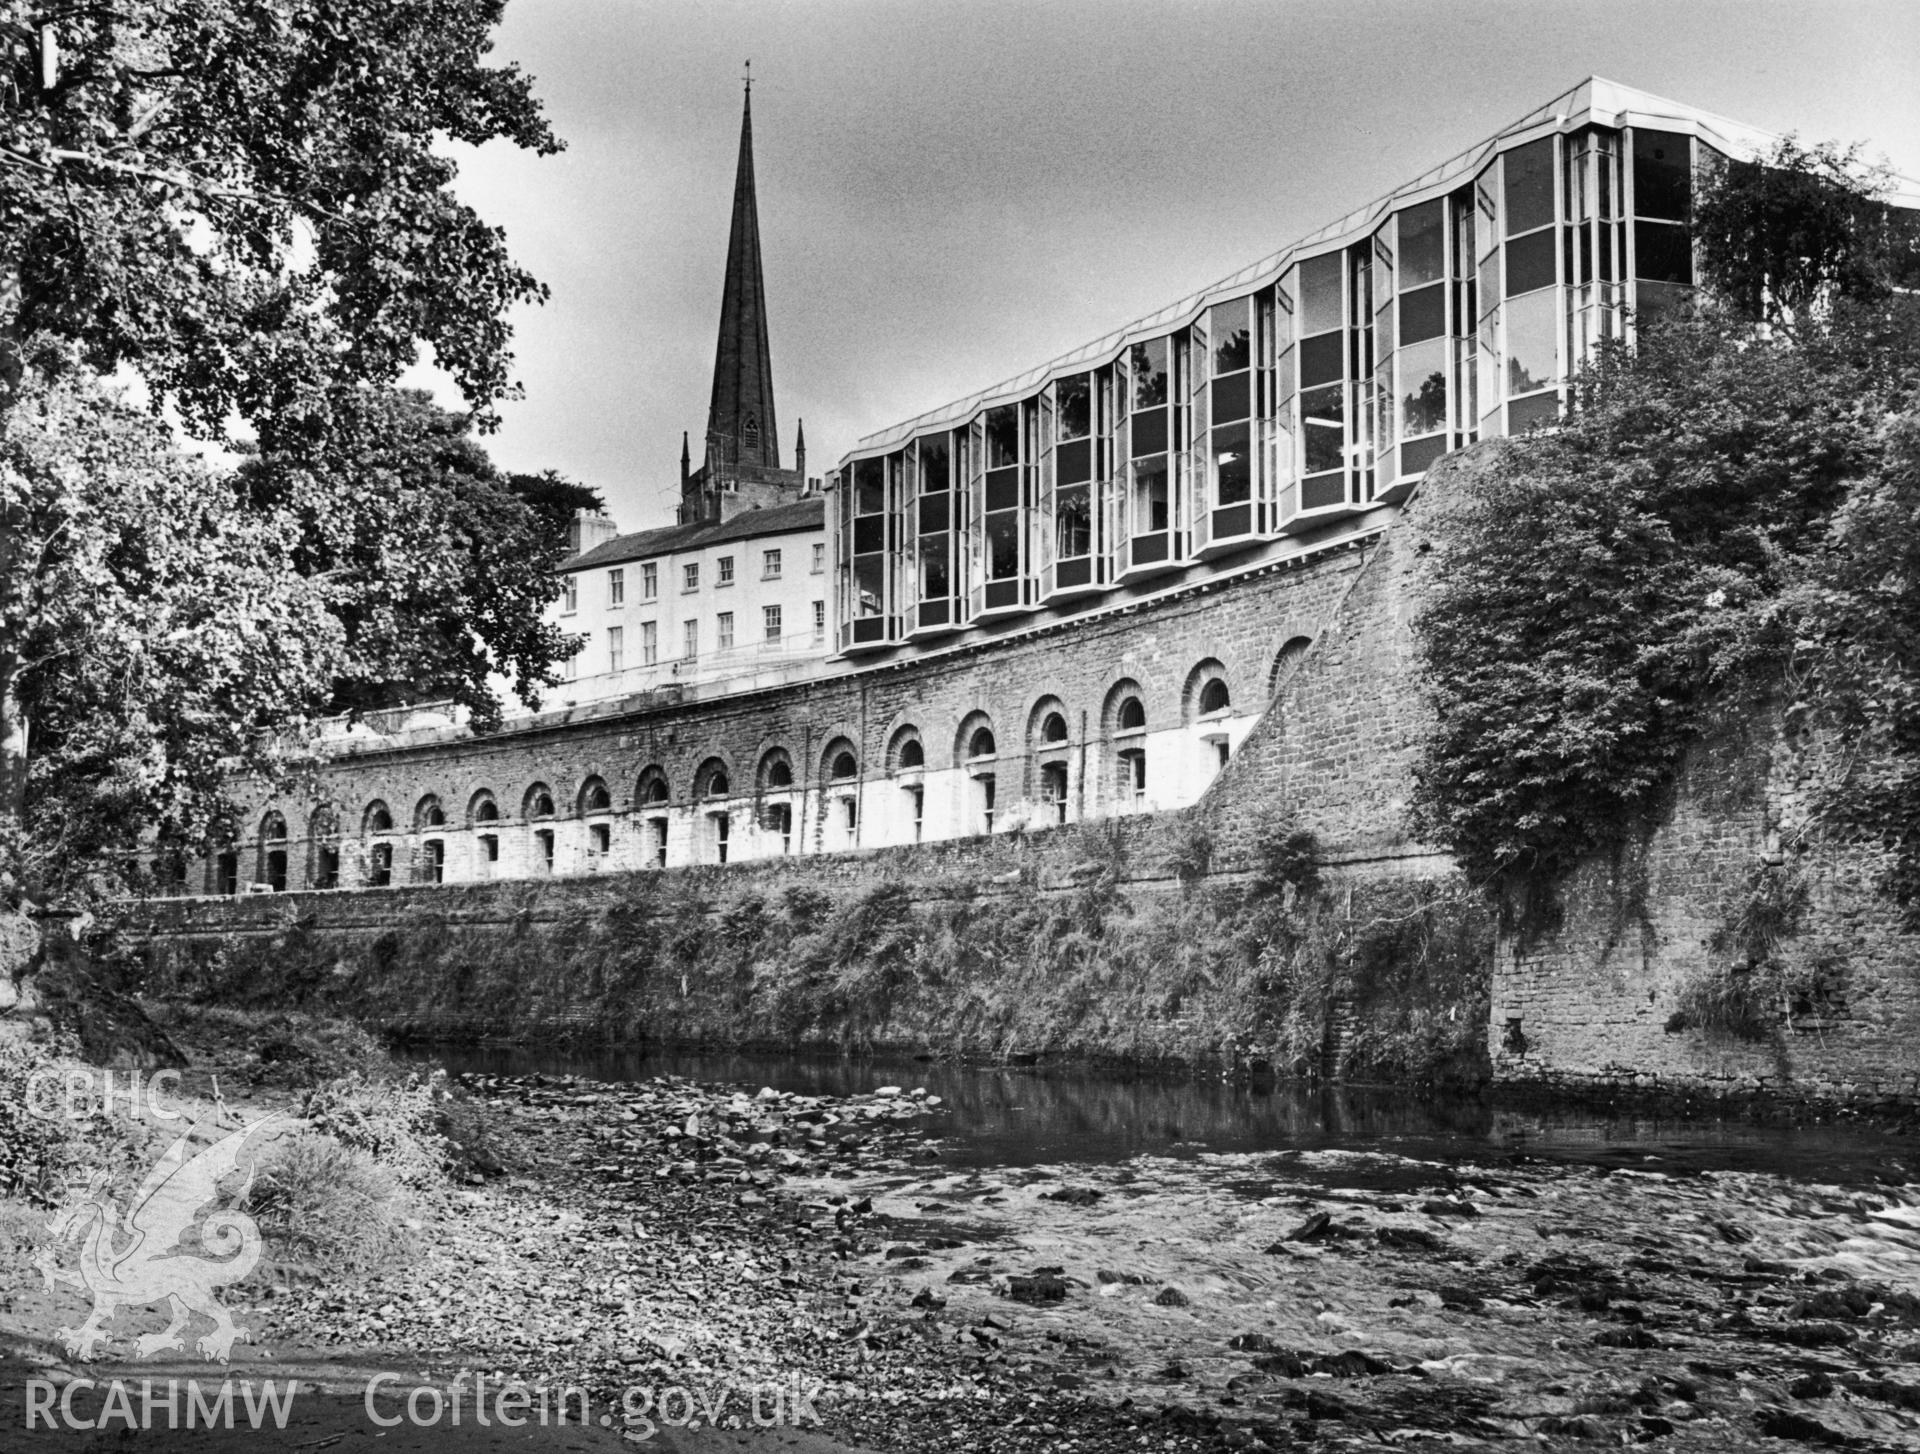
(1305, 391)
(1070, 597)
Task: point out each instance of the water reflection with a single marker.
(1012, 1117)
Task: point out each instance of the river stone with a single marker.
(1171, 1297)
(1352, 1363)
(1312, 1229)
(1283, 1361)
(1046, 1288)
(1073, 1196)
(1410, 1237)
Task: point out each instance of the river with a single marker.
(1015, 1117)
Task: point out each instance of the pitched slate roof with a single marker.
(807, 514)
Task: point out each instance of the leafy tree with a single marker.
(1721, 514)
(1596, 585)
(439, 567)
(241, 198)
(154, 624)
(1857, 663)
(555, 499)
(241, 201)
(1787, 234)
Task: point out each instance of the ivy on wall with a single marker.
(1725, 513)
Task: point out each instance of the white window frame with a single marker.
(616, 587)
(723, 631)
(770, 618)
(650, 581)
(770, 564)
(723, 571)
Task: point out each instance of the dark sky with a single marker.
(952, 191)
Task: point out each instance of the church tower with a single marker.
(742, 465)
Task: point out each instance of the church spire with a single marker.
(741, 428)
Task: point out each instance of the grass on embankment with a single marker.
(1114, 959)
(366, 1154)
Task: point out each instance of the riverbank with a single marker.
(721, 1239)
(1124, 942)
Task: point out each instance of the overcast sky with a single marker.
(952, 191)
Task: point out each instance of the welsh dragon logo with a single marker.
(140, 1257)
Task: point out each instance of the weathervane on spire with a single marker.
(748, 78)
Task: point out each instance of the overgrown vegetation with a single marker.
(36, 1151)
(326, 1209)
(1765, 975)
(367, 1159)
(338, 1198)
(1246, 964)
(1727, 515)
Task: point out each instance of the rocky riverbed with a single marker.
(663, 1235)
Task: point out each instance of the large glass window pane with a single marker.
(1322, 359)
(1423, 314)
(1423, 253)
(1656, 300)
(1232, 398)
(1149, 431)
(1320, 285)
(1072, 524)
(1423, 388)
(1074, 407)
(869, 486)
(1529, 264)
(1003, 436)
(869, 586)
(1150, 511)
(935, 514)
(1529, 186)
(1074, 461)
(1662, 252)
(1323, 414)
(1532, 323)
(1232, 337)
(934, 454)
(1523, 414)
(1232, 464)
(1150, 373)
(1003, 489)
(1662, 175)
(936, 579)
(1003, 545)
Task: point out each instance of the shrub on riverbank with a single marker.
(1724, 517)
(325, 1209)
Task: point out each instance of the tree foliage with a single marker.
(1787, 234)
(439, 566)
(1711, 521)
(154, 623)
(1597, 585)
(1858, 657)
(242, 200)
(248, 205)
